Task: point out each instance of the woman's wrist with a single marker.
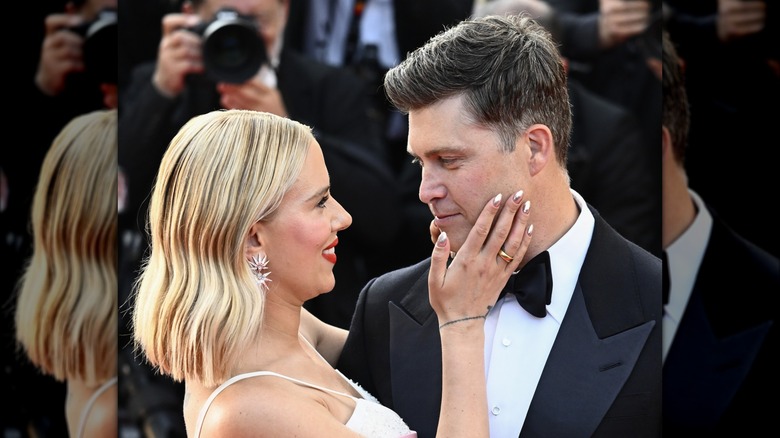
(462, 320)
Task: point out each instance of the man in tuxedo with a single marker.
(719, 332)
(489, 112)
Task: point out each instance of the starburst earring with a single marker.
(257, 265)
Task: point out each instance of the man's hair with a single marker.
(507, 68)
(197, 306)
(675, 115)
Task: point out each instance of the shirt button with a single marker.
(507, 342)
(496, 410)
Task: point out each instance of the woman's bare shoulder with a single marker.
(268, 406)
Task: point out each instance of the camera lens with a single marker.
(232, 50)
(101, 43)
(100, 53)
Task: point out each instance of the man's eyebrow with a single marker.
(444, 150)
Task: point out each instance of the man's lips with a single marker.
(329, 253)
(441, 220)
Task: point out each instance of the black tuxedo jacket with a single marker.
(722, 365)
(603, 375)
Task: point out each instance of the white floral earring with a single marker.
(259, 264)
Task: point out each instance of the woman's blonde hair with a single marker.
(197, 305)
(66, 311)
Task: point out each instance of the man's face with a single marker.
(269, 15)
(463, 166)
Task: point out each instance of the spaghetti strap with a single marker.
(234, 379)
(88, 407)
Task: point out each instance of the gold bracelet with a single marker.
(463, 319)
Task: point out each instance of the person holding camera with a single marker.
(75, 58)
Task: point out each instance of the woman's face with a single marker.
(300, 239)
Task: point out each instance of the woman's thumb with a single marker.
(439, 258)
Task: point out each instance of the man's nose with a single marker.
(431, 187)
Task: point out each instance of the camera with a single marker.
(232, 48)
(101, 45)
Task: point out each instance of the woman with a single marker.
(244, 231)
(66, 310)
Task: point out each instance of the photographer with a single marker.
(164, 94)
(75, 59)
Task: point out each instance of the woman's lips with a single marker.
(330, 252)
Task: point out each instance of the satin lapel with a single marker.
(583, 375)
(415, 359)
(703, 373)
(718, 338)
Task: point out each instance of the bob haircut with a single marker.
(66, 312)
(197, 305)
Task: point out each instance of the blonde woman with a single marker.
(66, 310)
(243, 231)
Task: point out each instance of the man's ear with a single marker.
(666, 141)
(540, 142)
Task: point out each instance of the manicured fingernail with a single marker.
(442, 238)
(497, 200)
(518, 196)
(530, 229)
(526, 206)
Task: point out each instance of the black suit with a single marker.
(608, 346)
(721, 371)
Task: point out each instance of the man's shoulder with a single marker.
(402, 279)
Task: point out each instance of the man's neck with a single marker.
(553, 212)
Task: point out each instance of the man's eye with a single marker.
(323, 201)
(417, 161)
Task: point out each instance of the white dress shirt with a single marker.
(517, 343)
(377, 27)
(684, 256)
(328, 28)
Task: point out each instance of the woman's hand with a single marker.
(468, 288)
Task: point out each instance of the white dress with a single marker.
(90, 403)
(370, 418)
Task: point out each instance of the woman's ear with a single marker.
(542, 149)
(253, 243)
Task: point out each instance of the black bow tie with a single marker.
(532, 285)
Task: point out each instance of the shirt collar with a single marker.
(566, 258)
(684, 256)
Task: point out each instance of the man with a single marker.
(719, 325)
(489, 112)
(608, 162)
